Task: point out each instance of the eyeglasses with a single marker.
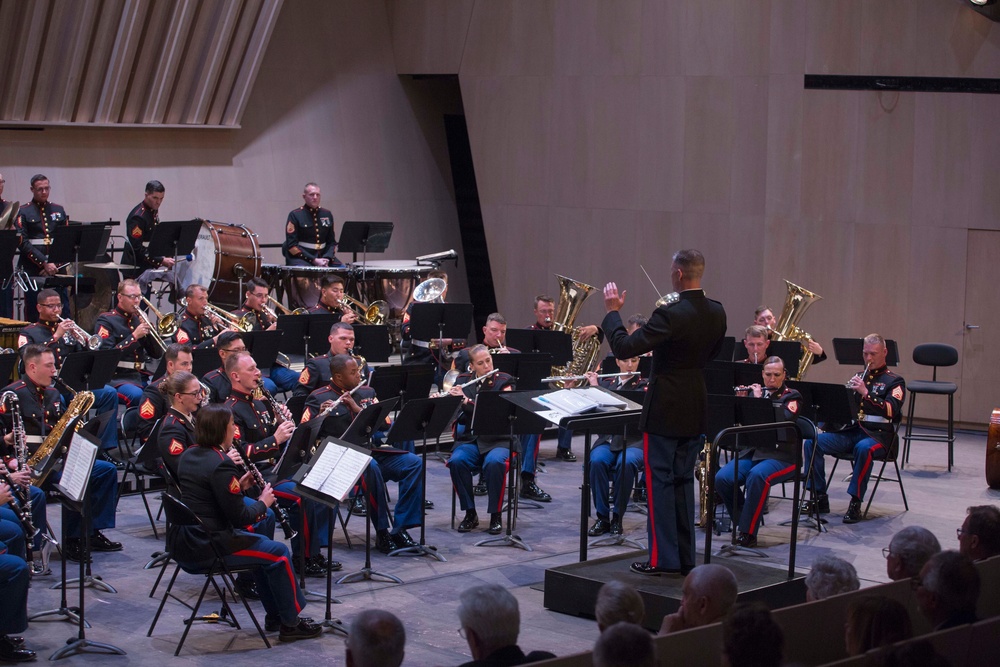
(50, 305)
(131, 296)
(961, 531)
(233, 349)
(886, 552)
(200, 392)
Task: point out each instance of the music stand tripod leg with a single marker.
(422, 549)
(335, 624)
(67, 613)
(367, 573)
(508, 538)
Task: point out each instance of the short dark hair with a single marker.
(760, 309)
(437, 274)
(954, 579)
(625, 644)
(755, 331)
(174, 350)
(233, 360)
(227, 337)
(751, 638)
(984, 523)
(691, 262)
(211, 425)
(175, 383)
(338, 363)
(341, 325)
(128, 282)
(47, 293)
(38, 177)
(30, 353)
(544, 298)
(154, 186)
(331, 279)
(638, 320)
(876, 620)
(257, 282)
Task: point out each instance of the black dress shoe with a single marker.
(313, 568)
(303, 630)
(72, 550)
(600, 527)
(616, 525)
(402, 540)
(639, 495)
(383, 542)
(273, 623)
(14, 652)
(531, 491)
(496, 524)
(428, 504)
(746, 540)
(565, 455)
(480, 488)
(358, 507)
(247, 588)
(853, 512)
(100, 542)
(470, 522)
(648, 568)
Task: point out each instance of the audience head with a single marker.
(979, 536)
(830, 576)
(490, 619)
(617, 602)
(751, 638)
(377, 639)
(908, 550)
(708, 593)
(624, 644)
(874, 621)
(948, 587)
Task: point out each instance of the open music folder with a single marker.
(334, 469)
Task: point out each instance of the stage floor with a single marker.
(427, 601)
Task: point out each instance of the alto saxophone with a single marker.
(702, 471)
(80, 404)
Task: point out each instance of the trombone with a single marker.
(152, 329)
(223, 319)
(166, 325)
(284, 310)
(376, 313)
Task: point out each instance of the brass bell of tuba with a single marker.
(797, 301)
(572, 294)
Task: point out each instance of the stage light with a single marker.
(982, 3)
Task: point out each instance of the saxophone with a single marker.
(702, 471)
(80, 404)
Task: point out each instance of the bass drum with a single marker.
(226, 255)
(101, 300)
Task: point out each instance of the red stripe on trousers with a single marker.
(763, 496)
(654, 549)
(868, 464)
(274, 559)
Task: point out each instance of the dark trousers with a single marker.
(103, 491)
(670, 497)
(756, 477)
(864, 449)
(605, 470)
(310, 518)
(275, 578)
(406, 469)
(14, 581)
(465, 460)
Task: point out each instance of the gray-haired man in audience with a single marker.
(907, 552)
(947, 590)
(624, 644)
(377, 639)
(830, 576)
(490, 621)
(709, 591)
(618, 602)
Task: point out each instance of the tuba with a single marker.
(430, 291)
(78, 407)
(572, 294)
(797, 301)
(9, 215)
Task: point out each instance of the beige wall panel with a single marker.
(569, 166)
(614, 140)
(788, 36)
(783, 186)
(528, 116)
(833, 36)
(749, 156)
(707, 37)
(880, 277)
(942, 170)
(830, 154)
(985, 155)
(510, 38)
(660, 168)
(429, 36)
(708, 143)
(885, 146)
(597, 37)
(935, 310)
(660, 38)
(731, 254)
(524, 269)
(658, 238)
(752, 38)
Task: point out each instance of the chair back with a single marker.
(935, 354)
(178, 513)
(296, 405)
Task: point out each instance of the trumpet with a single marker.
(76, 332)
(166, 325)
(863, 374)
(284, 310)
(571, 378)
(376, 313)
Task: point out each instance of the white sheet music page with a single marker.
(76, 469)
(335, 469)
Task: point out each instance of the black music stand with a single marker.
(726, 349)
(77, 242)
(294, 330)
(372, 342)
(7, 364)
(496, 414)
(848, 351)
(434, 321)
(557, 343)
(423, 418)
(204, 360)
(173, 238)
(722, 376)
(263, 346)
(368, 422)
(90, 370)
(527, 367)
(407, 382)
(364, 237)
(789, 351)
(318, 329)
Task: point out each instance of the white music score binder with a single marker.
(76, 468)
(335, 468)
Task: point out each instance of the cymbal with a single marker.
(111, 265)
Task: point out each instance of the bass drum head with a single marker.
(224, 255)
(101, 300)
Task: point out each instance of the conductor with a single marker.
(683, 336)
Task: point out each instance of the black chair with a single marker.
(179, 515)
(139, 471)
(936, 355)
(296, 405)
(892, 454)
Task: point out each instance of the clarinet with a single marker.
(250, 467)
(21, 498)
(272, 404)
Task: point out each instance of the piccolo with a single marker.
(567, 378)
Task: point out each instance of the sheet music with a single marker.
(335, 470)
(76, 469)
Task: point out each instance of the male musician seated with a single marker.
(263, 433)
(387, 463)
(759, 469)
(606, 457)
(35, 224)
(494, 338)
(316, 373)
(309, 236)
(331, 300)
(153, 404)
(763, 317)
(755, 341)
(217, 380)
(212, 486)
(58, 337)
(198, 327)
(881, 393)
(479, 452)
(14, 579)
(124, 329)
(41, 407)
(139, 229)
(264, 319)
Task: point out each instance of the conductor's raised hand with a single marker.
(613, 300)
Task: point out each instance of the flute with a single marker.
(335, 404)
(567, 378)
